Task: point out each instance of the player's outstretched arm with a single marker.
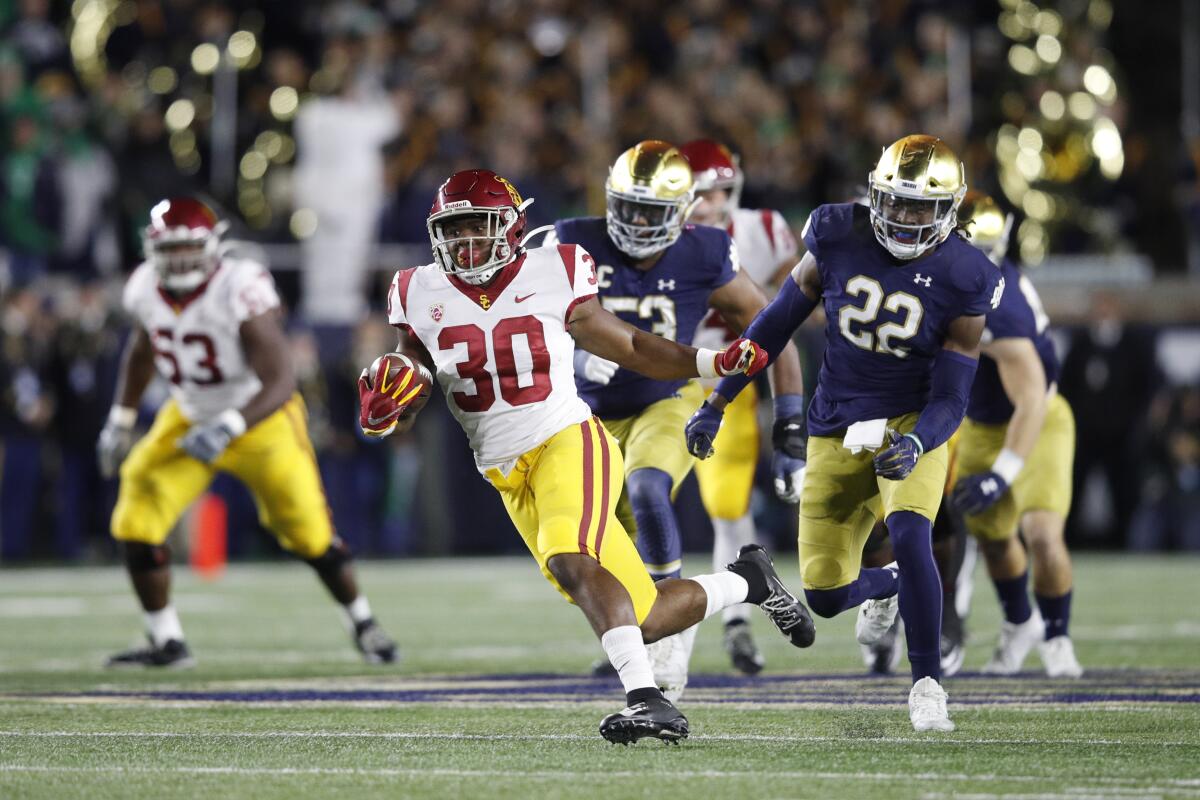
(739, 302)
(604, 334)
(1024, 381)
(133, 376)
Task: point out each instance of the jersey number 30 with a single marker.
(474, 368)
(884, 337)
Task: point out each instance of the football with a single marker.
(421, 381)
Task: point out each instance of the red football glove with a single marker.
(381, 401)
(744, 355)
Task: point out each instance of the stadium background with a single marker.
(323, 129)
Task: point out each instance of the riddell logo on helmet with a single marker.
(458, 204)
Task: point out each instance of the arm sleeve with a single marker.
(254, 294)
(950, 389)
(772, 329)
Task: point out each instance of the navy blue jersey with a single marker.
(669, 299)
(887, 318)
(1020, 315)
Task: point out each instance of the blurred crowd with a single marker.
(331, 124)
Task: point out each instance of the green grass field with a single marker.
(489, 702)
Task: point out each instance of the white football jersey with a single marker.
(501, 352)
(764, 241)
(196, 338)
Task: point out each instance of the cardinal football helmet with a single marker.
(714, 166)
(183, 242)
(477, 193)
(985, 225)
(915, 191)
(650, 192)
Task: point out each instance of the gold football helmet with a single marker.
(985, 225)
(649, 194)
(915, 190)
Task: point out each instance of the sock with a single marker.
(722, 590)
(729, 536)
(1014, 597)
(1056, 611)
(871, 584)
(920, 592)
(357, 610)
(658, 531)
(625, 649)
(163, 625)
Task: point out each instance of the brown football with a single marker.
(421, 381)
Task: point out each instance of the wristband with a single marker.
(706, 362)
(122, 416)
(1007, 465)
(917, 441)
(233, 421)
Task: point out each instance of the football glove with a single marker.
(207, 440)
(977, 493)
(743, 356)
(701, 430)
(900, 458)
(594, 368)
(115, 440)
(379, 412)
(789, 435)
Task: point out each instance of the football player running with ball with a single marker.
(1014, 462)
(209, 323)
(497, 325)
(767, 251)
(663, 276)
(905, 300)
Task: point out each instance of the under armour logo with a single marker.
(665, 285)
(924, 280)
(990, 486)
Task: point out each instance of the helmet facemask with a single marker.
(643, 225)
(474, 252)
(910, 226)
(184, 259)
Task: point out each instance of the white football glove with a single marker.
(115, 440)
(594, 368)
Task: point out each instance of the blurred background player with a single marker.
(498, 324)
(663, 276)
(767, 252)
(1015, 460)
(904, 300)
(209, 323)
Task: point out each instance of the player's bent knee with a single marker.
(336, 556)
(995, 549)
(822, 572)
(142, 557)
(827, 602)
(648, 487)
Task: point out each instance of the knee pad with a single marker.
(827, 602)
(141, 557)
(822, 571)
(648, 487)
(332, 560)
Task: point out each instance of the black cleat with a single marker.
(784, 609)
(174, 653)
(655, 717)
(374, 643)
(743, 652)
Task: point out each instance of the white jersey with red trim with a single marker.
(764, 241)
(501, 352)
(197, 337)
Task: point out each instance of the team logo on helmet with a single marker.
(512, 190)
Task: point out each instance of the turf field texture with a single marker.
(489, 700)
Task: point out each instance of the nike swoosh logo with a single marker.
(526, 297)
(373, 421)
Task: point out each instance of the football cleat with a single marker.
(1058, 656)
(669, 658)
(883, 657)
(172, 653)
(1016, 640)
(743, 652)
(781, 606)
(374, 643)
(654, 718)
(953, 642)
(927, 706)
(875, 617)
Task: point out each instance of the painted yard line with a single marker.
(1174, 784)
(501, 737)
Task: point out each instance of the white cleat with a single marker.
(927, 706)
(669, 659)
(1016, 640)
(875, 617)
(1058, 657)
